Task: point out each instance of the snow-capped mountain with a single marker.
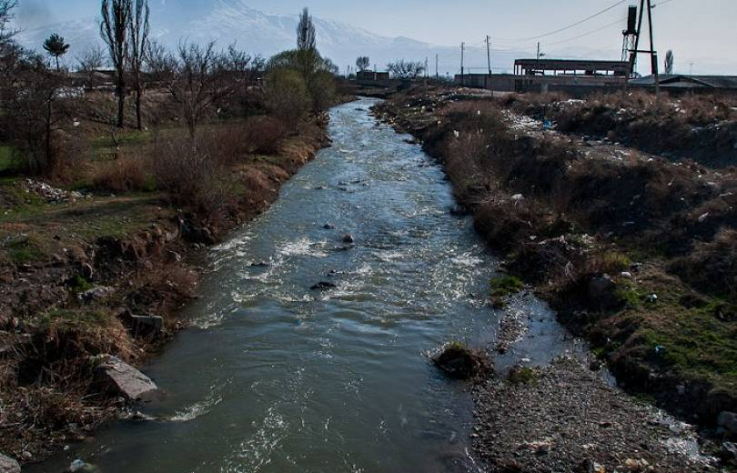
(233, 21)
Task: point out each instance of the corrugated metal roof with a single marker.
(683, 80)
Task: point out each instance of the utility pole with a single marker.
(488, 52)
(463, 50)
(437, 60)
(426, 67)
(653, 54)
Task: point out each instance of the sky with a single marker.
(701, 33)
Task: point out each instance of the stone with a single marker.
(8, 465)
(602, 293)
(348, 238)
(460, 362)
(76, 466)
(729, 452)
(728, 420)
(329, 226)
(121, 379)
(96, 294)
(148, 322)
(323, 286)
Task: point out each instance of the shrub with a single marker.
(286, 96)
(322, 91)
(264, 135)
(192, 176)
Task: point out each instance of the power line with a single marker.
(618, 22)
(573, 25)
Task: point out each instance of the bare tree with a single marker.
(195, 79)
(363, 63)
(139, 31)
(91, 61)
(44, 104)
(670, 61)
(306, 38)
(6, 8)
(114, 29)
(402, 69)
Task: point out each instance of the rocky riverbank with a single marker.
(90, 286)
(611, 237)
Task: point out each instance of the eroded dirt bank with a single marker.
(86, 276)
(622, 244)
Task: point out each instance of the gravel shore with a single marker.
(564, 417)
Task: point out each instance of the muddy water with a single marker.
(276, 377)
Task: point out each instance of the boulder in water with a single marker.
(121, 379)
(348, 238)
(323, 286)
(460, 362)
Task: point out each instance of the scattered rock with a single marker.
(121, 379)
(8, 465)
(261, 264)
(590, 466)
(348, 238)
(323, 286)
(329, 226)
(728, 420)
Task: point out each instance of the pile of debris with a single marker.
(52, 195)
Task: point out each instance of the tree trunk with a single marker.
(139, 117)
(50, 164)
(121, 98)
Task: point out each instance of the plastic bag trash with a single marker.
(77, 465)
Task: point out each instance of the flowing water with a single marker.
(276, 377)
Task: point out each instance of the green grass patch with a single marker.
(68, 318)
(6, 158)
(24, 249)
(79, 284)
(502, 288)
(695, 343)
(523, 375)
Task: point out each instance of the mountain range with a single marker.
(233, 21)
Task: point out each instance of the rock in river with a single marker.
(8, 465)
(728, 420)
(323, 286)
(122, 379)
(461, 362)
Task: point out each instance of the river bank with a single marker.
(577, 219)
(86, 275)
(309, 353)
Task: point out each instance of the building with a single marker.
(675, 83)
(547, 75)
(372, 76)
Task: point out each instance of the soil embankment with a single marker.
(632, 249)
(88, 275)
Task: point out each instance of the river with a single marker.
(277, 377)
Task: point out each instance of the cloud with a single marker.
(34, 13)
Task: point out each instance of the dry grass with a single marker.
(127, 174)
